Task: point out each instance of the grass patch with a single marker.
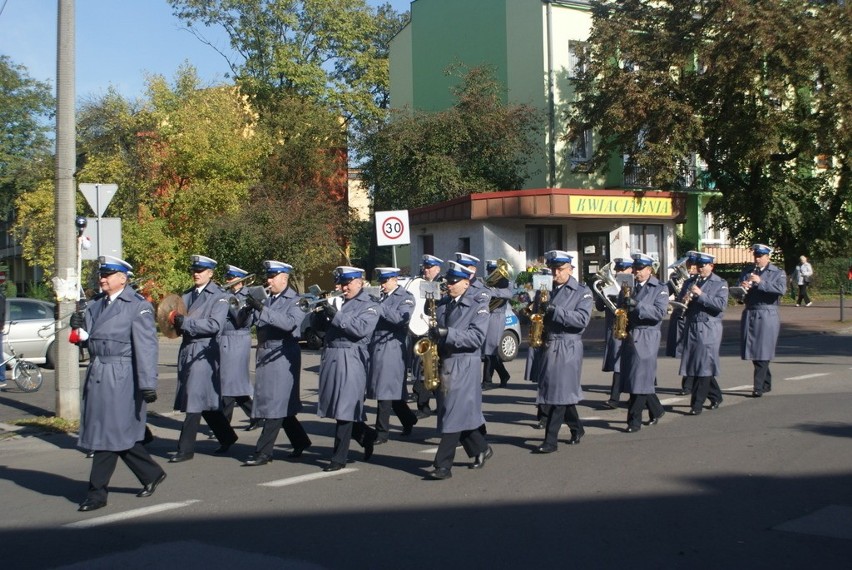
(52, 424)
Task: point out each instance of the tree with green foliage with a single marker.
(26, 105)
(333, 53)
(759, 91)
(480, 144)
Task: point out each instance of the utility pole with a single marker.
(67, 355)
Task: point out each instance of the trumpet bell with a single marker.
(168, 304)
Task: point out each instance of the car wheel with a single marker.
(508, 346)
(50, 356)
(313, 340)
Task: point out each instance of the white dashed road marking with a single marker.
(304, 478)
(807, 376)
(132, 514)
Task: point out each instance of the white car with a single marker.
(30, 329)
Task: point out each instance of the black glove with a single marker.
(630, 303)
(549, 310)
(438, 333)
(255, 304)
(150, 396)
(178, 322)
(329, 310)
(78, 321)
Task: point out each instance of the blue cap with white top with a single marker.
(273, 267)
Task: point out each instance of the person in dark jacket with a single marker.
(567, 314)
(389, 355)
(760, 324)
(121, 379)
(235, 350)
(199, 392)
(647, 306)
(702, 333)
(279, 364)
(460, 332)
(344, 364)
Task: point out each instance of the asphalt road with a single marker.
(758, 483)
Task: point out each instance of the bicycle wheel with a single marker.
(27, 376)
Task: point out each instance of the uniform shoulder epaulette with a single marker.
(139, 296)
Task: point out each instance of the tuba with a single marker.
(427, 350)
(606, 285)
(537, 318)
(503, 271)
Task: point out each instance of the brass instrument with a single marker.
(619, 325)
(502, 271)
(259, 293)
(427, 350)
(739, 293)
(248, 280)
(318, 305)
(537, 318)
(168, 304)
(604, 281)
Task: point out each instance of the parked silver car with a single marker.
(30, 328)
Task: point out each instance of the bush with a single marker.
(832, 274)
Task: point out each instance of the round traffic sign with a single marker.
(393, 228)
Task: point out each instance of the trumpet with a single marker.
(739, 292)
(318, 305)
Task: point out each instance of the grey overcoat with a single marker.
(235, 350)
(639, 349)
(702, 332)
(388, 351)
(760, 323)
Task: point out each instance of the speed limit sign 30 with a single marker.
(392, 228)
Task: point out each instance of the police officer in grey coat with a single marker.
(118, 328)
(389, 355)
(199, 392)
(674, 334)
(612, 345)
(702, 333)
(760, 325)
(462, 325)
(565, 318)
(279, 364)
(344, 363)
(501, 293)
(235, 350)
(647, 306)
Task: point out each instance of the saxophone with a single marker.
(619, 325)
(427, 350)
(537, 318)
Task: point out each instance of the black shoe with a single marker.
(481, 458)
(406, 430)
(253, 425)
(756, 394)
(223, 449)
(694, 412)
(181, 457)
(149, 489)
(422, 414)
(611, 404)
(440, 473)
(488, 386)
(368, 450)
(91, 505)
(541, 423)
(632, 429)
(90, 455)
(683, 392)
(504, 381)
(655, 421)
(259, 459)
(576, 436)
(545, 448)
(714, 405)
(297, 452)
(380, 441)
(333, 466)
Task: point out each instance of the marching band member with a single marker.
(702, 333)
(431, 272)
(566, 317)
(389, 355)
(479, 291)
(496, 326)
(279, 364)
(462, 325)
(674, 335)
(343, 366)
(765, 284)
(612, 345)
(199, 391)
(647, 305)
(121, 379)
(235, 350)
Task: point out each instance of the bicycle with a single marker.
(27, 376)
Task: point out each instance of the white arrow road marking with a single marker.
(304, 478)
(131, 514)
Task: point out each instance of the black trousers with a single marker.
(292, 429)
(344, 433)
(137, 459)
(638, 403)
(705, 386)
(615, 389)
(493, 364)
(473, 441)
(687, 384)
(215, 419)
(230, 402)
(803, 295)
(556, 415)
(762, 376)
(402, 411)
